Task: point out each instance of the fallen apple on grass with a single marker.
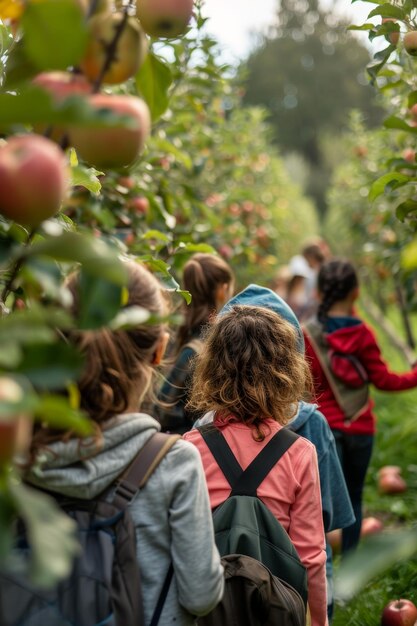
(399, 613)
(390, 480)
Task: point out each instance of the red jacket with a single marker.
(360, 341)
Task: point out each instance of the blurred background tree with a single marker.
(309, 72)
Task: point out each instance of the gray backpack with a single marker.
(265, 581)
(104, 587)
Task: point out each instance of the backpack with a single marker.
(104, 586)
(265, 581)
(344, 372)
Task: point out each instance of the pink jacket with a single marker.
(291, 491)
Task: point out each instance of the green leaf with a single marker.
(58, 414)
(381, 57)
(361, 27)
(51, 535)
(96, 257)
(156, 234)
(153, 82)
(55, 33)
(397, 123)
(379, 186)
(99, 301)
(168, 148)
(372, 557)
(412, 98)
(33, 105)
(130, 317)
(50, 366)
(191, 248)
(86, 177)
(389, 10)
(404, 209)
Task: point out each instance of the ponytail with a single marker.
(336, 279)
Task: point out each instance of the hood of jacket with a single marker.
(349, 340)
(83, 469)
(305, 411)
(255, 295)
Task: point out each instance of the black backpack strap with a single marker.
(246, 482)
(162, 597)
(222, 453)
(249, 480)
(149, 457)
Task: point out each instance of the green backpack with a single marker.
(265, 581)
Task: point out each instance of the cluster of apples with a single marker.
(33, 170)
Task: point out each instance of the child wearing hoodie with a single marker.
(348, 409)
(310, 423)
(171, 513)
(248, 380)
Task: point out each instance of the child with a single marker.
(171, 513)
(209, 279)
(311, 424)
(251, 374)
(339, 328)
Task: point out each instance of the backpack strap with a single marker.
(148, 459)
(245, 483)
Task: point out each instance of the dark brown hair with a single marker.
(202, 275)
(250, 368)
(335, 281)
(117, 363)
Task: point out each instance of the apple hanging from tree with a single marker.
(164, 18)
(119, 146)
(410, 42)
(33, 179)
(399, 613)
(131, 49)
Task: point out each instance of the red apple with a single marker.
(164, 18)
(399, 613)
(60, 85)
(131, 50)
(393, 37)
(140, 205)
(409, 155)
(413, 111)
(33, 179)
(118, 146)
(371, 526)
(410, 42)
(391, 483)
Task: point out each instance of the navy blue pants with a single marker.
(354, 453)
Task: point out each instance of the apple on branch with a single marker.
(164, 18)
(33, 179)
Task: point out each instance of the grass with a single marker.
(396, 444)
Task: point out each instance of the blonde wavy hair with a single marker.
(250, 369)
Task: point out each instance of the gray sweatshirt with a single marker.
(171, 513)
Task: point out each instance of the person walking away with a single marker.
(209, 280)
(250, 375)
(345, 360)
(171, 513)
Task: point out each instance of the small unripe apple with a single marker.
(33, 179)
(113, 148)
(399, 613)
(410, 42)
(164, 18)
(131, 49)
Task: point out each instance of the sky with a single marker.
(235, 22)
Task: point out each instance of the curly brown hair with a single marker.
(250, 368)
(117, 363)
